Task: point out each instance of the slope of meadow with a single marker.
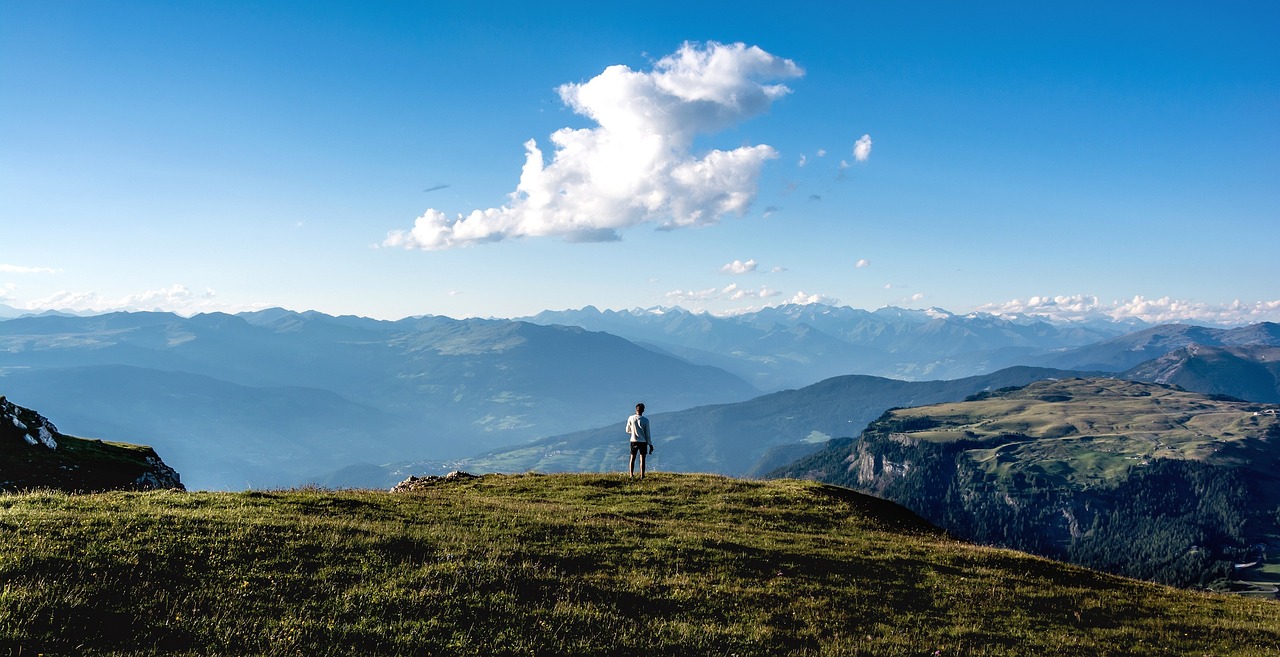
(564, 564)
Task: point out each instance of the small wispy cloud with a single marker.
(637, 165)
(862, 148)
(739, 267)
(822, 152)
(744, 294)
(862, 263)
(19, 269)
(803, 161)
(1156, 311)
(803, 299)
(176, 298)
(731, 292)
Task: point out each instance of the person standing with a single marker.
(638, 428)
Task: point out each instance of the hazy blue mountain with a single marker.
(795, 345)
(1127, 351)
(1251, 373)
(428, 386)
(218, 434)
(729, 439)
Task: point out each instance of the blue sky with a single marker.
(1066, 158)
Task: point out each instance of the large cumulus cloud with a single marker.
(637, 165)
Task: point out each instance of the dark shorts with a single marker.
(639, 448)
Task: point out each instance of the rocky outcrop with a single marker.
(35, 455)
(27, 425)
(160, 476)
(424, 483)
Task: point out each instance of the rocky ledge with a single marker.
(35, 455)
(424, 483)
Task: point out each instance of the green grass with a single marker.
(1093, 429)
(564, 564)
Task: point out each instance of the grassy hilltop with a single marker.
(564, 564)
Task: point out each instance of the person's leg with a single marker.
(632, 469)
(642, 460)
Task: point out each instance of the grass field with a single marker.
(564, 565)
(1091, 431)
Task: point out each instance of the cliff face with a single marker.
(1143, 480)
(34, 454)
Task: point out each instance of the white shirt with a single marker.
(638, 427)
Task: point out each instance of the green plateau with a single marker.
(1139, 479)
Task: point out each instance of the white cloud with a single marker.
(1064, 307)
(777, 270)
(803, 161)
(176, 298)
(762, 293)
(731, 292)
(708, 294)
(1157, 311)
(822, 152)
(805, 299)
(739, 267)
(862, 263)
(18, 269)
(917, 297)
(637, 165)
(862, 148)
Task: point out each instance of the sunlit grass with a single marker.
(563, 564)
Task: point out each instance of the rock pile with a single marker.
(423, 483)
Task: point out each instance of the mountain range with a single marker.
(279, 398)
(1127, 351)
(269, 398)
(794, 345)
